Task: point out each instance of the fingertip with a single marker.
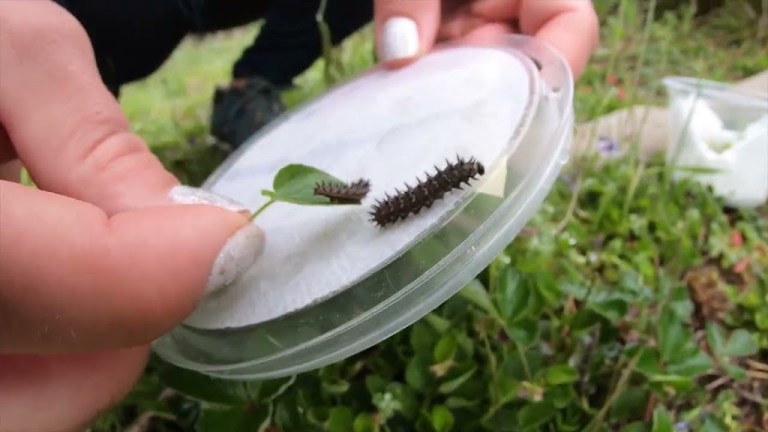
(239, 253)
(398, 40)
(405, 30)
(195, 249)
(553, 22)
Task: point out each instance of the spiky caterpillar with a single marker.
(416, 198)
(343, 193)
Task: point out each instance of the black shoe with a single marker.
(243, 108)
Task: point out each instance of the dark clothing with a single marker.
(133, 38)
(289, 42)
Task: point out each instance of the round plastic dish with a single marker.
(281, 318)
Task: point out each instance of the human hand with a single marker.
(406, 29)
(101, 259)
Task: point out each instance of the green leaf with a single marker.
(524, 332)
(272, 389)
(500, 421)
(442, 419)
(375, 384)
(295, 183)
(584, 319)
(457, 402)
(335, 388)
(676, 381)
(560, 374)
(26, 179)
(629, 402)
(715, 338)
(339, 420)
(614, 310)
(465, 345)
(422, 339)
(735, 372)
(692, 366)
(476, 293)
(236, 419)
(316, 415)
(512, 296)
(289, 413)
(418, 375)
(577, 291)
(445, 349)
(549, 290)
(671, 336)
(510, 373)
(365, 422)
(647, 362)
(662, 422)
(452, 385)
(438, 323)
(396, 398)
(635, 427)
(533, 415)
(407, 402)
(711, 425)
(203, 387)
(740, 344)
(680, 302)
(561, 396)
(761, 319)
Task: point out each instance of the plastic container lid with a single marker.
(330, 283)
(723, 130)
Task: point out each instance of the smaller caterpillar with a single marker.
(343, 193)
(415, 198)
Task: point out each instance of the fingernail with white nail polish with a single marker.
(192, 195)
(237, 255)
(399, 39)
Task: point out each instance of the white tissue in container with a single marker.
(717, 129)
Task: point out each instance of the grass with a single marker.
(629, 303)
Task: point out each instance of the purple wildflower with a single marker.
(607, 145)
(681, 426)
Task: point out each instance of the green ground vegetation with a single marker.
(628, 303)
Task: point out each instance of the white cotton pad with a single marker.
(713, 127)
(330, 282)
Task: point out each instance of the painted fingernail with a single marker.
(399, 39)
(237, 255)
(192, 195)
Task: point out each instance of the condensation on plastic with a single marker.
(434, 268)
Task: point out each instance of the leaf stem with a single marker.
(262, 208)
(523, 360)
(571, 205)
(633, 185)
(598, 420)
(325, 37)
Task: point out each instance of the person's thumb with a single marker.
(73, 280)
(405, 29)
(101, 256)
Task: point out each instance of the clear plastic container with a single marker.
(282, 319)
(718, 135)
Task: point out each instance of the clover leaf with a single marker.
(295, 184)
